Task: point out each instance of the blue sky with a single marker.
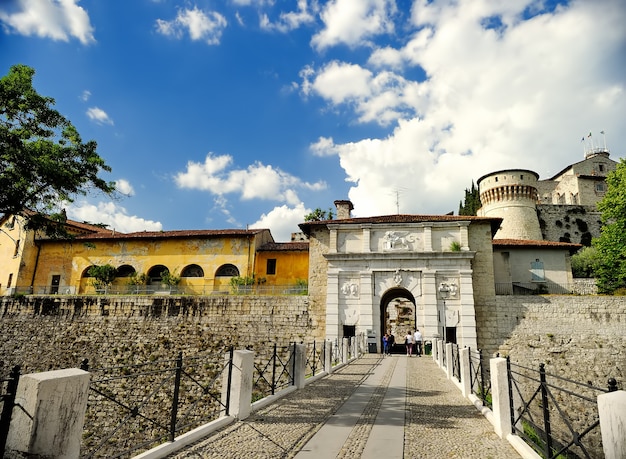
(234, 113)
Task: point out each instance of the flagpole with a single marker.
(603, 138)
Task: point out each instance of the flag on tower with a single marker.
(583, 139)
(589, 134)
(602, 132)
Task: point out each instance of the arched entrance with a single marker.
(397, 315)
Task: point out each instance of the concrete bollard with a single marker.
(328, 356)
(50, 420)
(300, 366)
(346, 350)
(612, 410)
(466, 378)
(449, 361)
(500, 397)
(240, 385)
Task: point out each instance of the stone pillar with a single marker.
(240, 384)
(500, 397)
(441, 347)
(328, 356)
(333, 325)
(300, 366)
(428, 239)
(449, 360)
(367, 235)
(346, 349)
(51, 421)
(612, 410)
(466, 379)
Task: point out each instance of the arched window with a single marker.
(155, 273)
(125, 271)
(192, 271)
(227, 270)
(86, 271)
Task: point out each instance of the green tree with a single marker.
(319, 215)
(43, 161)
(611, 244)
(584, 262)
(103, 275)
(471, 202)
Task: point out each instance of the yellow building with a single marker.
(282, 266)
(205, 261)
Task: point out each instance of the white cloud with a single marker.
(58, 20)
(518, 94)
(200, 25)
(382, 98)
(257, 181)
(85, 95)
(109, 213)
(291, 20)
(282, 221)
(124, 187)
(99, 116)
(354, 23)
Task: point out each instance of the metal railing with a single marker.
(456, 362)
(135, 407)
(543, 413)
(480, 377)
(542, 288)
(273, 372)
(315, 355)
(197, 290)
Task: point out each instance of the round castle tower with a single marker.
(511, 194)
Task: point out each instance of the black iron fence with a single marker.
(556, 416)
(480, 377)
(315, 356)
(155, 289)
(456, 362)
(136, 407)
(8, 390)
(274, 371)
(544, 288)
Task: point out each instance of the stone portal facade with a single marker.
(398, 272)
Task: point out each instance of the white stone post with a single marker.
(449, 361)
(50, 420)
(466, 378)
(500, 397)
(346, 347)
(300, 366)
(328, 356)
(241, 383)
(440, 351)
(612, 410)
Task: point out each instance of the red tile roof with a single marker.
(174, 234)
(539, 244)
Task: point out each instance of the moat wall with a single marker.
(43, 333)
(582, 338)
(578, 337)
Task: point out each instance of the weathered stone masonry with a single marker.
(42, 333)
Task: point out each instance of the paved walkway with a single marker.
(392, 407)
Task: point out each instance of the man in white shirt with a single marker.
(418, 342)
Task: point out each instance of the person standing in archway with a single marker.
(408, 342)
(418, 342)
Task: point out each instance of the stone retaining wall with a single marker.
(582, 338)
(43, 333)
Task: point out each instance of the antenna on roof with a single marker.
(397, 194)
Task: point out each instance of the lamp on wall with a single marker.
(444, 294)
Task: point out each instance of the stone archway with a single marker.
(397, 314)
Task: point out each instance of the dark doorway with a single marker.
(451, 335)
(349, 331)
(54, 285)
